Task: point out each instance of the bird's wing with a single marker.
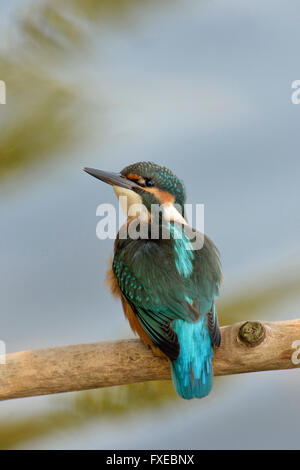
(213, 327)
(207, 277)
(149, 281)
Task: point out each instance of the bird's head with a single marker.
(146, 183)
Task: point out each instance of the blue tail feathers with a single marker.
(192, 372)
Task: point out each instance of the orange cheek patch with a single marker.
(133, 177)
(163, 196)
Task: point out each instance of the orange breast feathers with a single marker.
(134, 323)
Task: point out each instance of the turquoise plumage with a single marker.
(192, 371)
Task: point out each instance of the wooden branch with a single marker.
(246, 347)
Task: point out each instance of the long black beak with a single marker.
(115, 179)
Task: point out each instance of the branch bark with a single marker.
(246, 347)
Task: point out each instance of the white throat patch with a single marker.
(130, 201)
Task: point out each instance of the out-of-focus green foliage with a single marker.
(249, 304)
(44, 111)
(61, 26)
(106, 403)
(39, 119)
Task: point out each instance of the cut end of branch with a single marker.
(252, 333)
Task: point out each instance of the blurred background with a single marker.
(203, 88)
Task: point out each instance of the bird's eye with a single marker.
(149, 182)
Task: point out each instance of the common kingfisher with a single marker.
(167, 289)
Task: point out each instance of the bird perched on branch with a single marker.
(167, 287)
